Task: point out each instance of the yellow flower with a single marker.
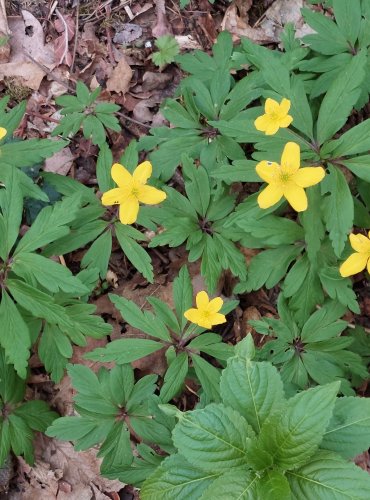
(131, 190)
(206, 314)
(358, 260)
(2, 133)
(275, 117)
(287, 179)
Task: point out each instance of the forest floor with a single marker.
(109, 43)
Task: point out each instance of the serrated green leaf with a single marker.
(274, 486)
(328, 38)
(348, 18)
(182, 294)
(11, 205)
(99, 253)
(328, 477)
(237, 483)
(103, 168)
(30, 152)
(15, 336)
(338, 209)
(255, 390)
(168, 49)
(209, 377)
(348, 432)
(54, 350)
(174, 377)
(294, 436)
(217, 437)
(135, 253)
(177, 478)
(124, 350)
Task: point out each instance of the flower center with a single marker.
(275, 116)
(285, 177)
(135, 192)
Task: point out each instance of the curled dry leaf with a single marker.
(27, 44)
(162, 26)
(60, 163)
(282, 12)
(119, 80)
(236, 21)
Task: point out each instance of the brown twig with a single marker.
(109, 38)
(76, 35)
(48, 72)
(43, 117)
(133, 120)
(65, 52)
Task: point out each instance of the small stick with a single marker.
(133, 120)
(76, 35)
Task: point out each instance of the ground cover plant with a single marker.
(259, 176)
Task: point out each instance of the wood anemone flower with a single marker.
(287, 179)
(131, 191)
(359, 260)
(206, 314)
(275, 117)
(3, 132)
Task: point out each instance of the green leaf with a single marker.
(272, 230)
(268, 267)
(36, 414)
(240, 171)
(51, 223)
(135, 253)
(311, 219)
(82, 93)
(328, 477)
(14, 336)
(178, 115)
(209, 377)
(348, 432)
(116, 448)
(237, 483)
(339, 288)
(217, 437)
(354, 141)
(39, 304)
(300, 111)
(21, 437)
(340, 98)
(54, 350)
(294, 436)
(348, 18)
(174, 377)
(34, 269)
(11, 204)
(166, 314)
(338, 209)
(99, 253)
(177, 478)
(103, 168)
(94, 130)
(124, 350)
(168, 49)
(324, 323)
(359, 165)
(182, 295)
(255, 390)
(197, 185)
(11, 119)
(273, 486)
(30, 152)
(328, 38)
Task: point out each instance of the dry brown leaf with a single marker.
(162, 26)
(119, 80)
(282, 12)
(152, 81)
(27, 38)
(236, 22)
(60, 163)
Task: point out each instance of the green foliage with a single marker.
(313, 353)
(83, 111)
(168, 331)
(19, 420)
(110, 407)
(168, 48)
(256, 442)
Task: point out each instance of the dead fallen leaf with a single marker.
(65, 25)
(282, 12)
(142, 111)
(162, 26)
(119, 80)
(27, 39)
(236, 22)
(187, 42)
(60, 163)
(128, 33)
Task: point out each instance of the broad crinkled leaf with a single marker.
(292, 437)
(216, 437)
(328, 477)
(255, 390)
(238, 483)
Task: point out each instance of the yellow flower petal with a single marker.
(2, 132)
(296, 196)
(262, 122)
(360, 243)
(284, 106)
(267, 170)
(114, 196)
(272, 128)
(309, 176)
(217, 319)
(354, 264)
(142, 172)
(271, 106)
(150, 195)
(121, 175)
(291, 158)
(286, 121)
(193, 315)
(368, 266)
(269, 196)
(215, 305)
(128, 210)
(202, 300)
